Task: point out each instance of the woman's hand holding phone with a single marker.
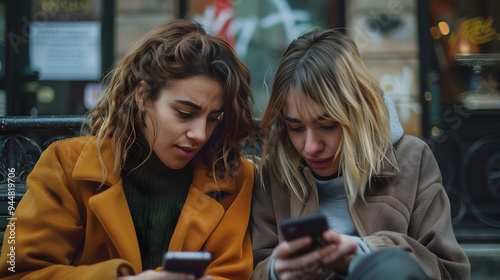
(329, 250)
(193, 263)
(178, 266)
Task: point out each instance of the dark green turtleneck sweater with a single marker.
(155, 196)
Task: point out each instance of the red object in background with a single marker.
(224, 12)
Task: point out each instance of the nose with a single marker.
(198, 131)
(313, 143)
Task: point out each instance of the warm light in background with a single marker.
(435, 33)
(444, 28)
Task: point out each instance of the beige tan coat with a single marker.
(407, 208)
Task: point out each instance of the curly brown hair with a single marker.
(173, 51)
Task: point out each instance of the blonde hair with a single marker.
(326, 68)
(174, 51)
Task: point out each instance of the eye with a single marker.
(326, 124)
(213, 119)
(328, 127)
(184, 115)
(295, 128)
(216, 117)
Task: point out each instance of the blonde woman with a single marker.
(161, 171)
(330, 149)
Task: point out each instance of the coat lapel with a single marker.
(110, 205)
(111, 209)
(389, 168)
(200, 213)
(199, 217)
(297, 208)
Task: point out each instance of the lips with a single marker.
(186, 152)
(319, 163)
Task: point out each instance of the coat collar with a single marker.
(88, 167)
(199, 216)
(390, 168)
(111, 209)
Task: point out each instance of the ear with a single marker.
(138, 94)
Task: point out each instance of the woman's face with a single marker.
(316, 138)
(187, 113)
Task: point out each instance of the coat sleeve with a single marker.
(430, 236)
(49, 229)
(263, 227)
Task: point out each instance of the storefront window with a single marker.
(463, 95)
(466, 47)
(260, 30)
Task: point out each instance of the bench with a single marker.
(23, 138)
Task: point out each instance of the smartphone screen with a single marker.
(187, 262)
(312, 225)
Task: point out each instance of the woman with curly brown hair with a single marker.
(162, 170)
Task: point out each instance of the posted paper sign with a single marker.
(66, 50)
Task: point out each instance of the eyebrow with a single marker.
(294, 120)
(196, 106)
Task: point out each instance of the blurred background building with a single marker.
(438, 60)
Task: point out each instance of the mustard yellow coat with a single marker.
(66, 227)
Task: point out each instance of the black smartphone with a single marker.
(312, 225)
(187, 262)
